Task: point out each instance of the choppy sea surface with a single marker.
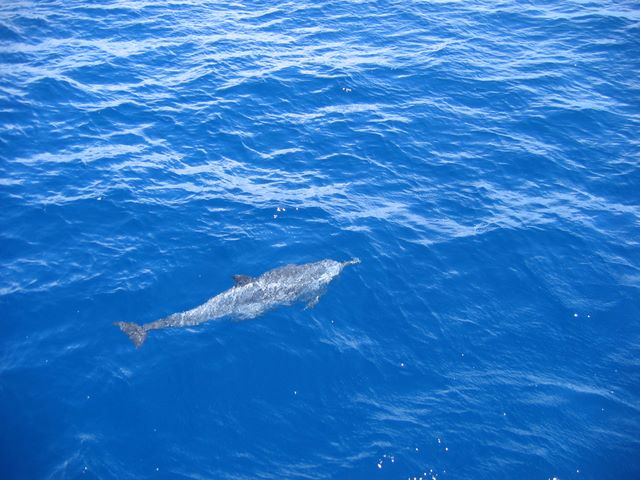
(481, 158)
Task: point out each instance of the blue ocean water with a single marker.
(481, 159)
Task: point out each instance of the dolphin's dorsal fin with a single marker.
(242, 280)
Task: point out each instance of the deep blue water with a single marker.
(481, 158)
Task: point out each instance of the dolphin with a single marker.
(251, 297)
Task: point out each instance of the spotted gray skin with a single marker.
(251, 297)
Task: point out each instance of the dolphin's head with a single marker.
(337, 267)
(353, 261)
(328, 269)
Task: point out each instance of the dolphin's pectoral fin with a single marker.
(242, 280)
(312, 303)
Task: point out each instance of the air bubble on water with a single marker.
(575, 315)
(275, 216)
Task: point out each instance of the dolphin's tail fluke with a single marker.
(136, 333)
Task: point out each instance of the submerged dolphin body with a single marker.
(251, 296)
